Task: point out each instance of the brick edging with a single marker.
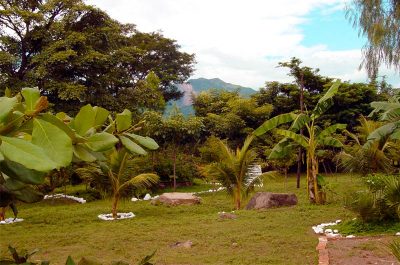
(323, 257)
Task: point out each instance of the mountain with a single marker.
(195, 86)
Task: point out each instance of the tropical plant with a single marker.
(314, 138)
(381, 200)
(230, 169)
(30, 147)
(116, 163)
(394, 248)
(367, 158)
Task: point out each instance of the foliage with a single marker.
(230, 169)
(24, 259)
(77, 55)
(381, 200)
(379, 22)
(227, 115)
(315, 139)
(394, 247)
(174, 132)
(366, 157)
(118, 160)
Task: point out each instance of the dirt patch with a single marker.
(361, 250)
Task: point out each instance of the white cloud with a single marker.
(239, 41)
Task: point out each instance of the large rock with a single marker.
(264, 200)
(178, 198)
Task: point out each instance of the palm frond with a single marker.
(141, 181)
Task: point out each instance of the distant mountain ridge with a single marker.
(198, 85)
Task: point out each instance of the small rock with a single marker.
(335, 231)
(186, 244)
(328, 230)
(398, 234)
(234, 244)
(350, 236)
(134, 199)
(224, 215)
(147, 197)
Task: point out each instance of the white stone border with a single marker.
(11, 221)
(60, 196)
(108, 216)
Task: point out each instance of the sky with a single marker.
(241, 42)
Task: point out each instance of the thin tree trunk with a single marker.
(174, 167)
(301, 130)
(115, 205)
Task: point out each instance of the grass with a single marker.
(275, 236)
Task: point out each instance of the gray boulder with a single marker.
(178, 198)
(265, 200)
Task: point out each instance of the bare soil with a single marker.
(361, 250)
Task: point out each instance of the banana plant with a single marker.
(117, 162)
(30, 146)
(314, 139)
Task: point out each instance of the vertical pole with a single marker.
(301, 130)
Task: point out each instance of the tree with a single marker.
(230, 168)
(229, 116)
(379, 22)
(313, 140)
(174, 131)
(76, 54)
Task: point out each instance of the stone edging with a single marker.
(323, 257)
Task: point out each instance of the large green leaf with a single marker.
(274, 122)
(101, 116)
(132, 146)
(31, 96)
(298, 138)
(389, 111)
(60, 124)
(300, 121)
(123, 120)
(55, 142)
(330, 141)
(100, 142)
(26, 154)
(84, 120)
(28, 195)
(12, 184)
(380, 133)
(6, 106)
(331, 129)
(282, 149)
(147, 142)
(19, 172)
(325, 102)
(83, 154)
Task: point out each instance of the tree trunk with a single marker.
(174, 167)
(301, 130)
(115, 204)
(298, 169)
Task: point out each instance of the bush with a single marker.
(381, 200)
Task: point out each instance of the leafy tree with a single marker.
(76, 54)
(227, 115)
(174, 131)
(313, 140)
(379, 22)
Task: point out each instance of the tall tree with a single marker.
(76, 54)
(379, 22)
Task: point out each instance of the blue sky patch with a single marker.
(331, 29)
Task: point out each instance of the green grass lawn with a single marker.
(275, 236)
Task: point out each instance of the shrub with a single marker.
(380, 201)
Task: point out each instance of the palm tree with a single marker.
(119, 170)
(230, 168)
(312, 140)
(368, 156)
